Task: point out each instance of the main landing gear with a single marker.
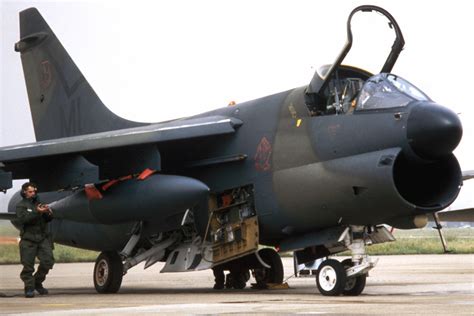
(272, 274)
(108, 272)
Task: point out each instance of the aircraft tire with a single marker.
(108, 272)
(331, 278)
(353, 286)
(274, 274)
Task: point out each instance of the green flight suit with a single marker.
(35, 242)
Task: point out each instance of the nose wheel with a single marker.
(349, 276)
(354, 285)
(331, 278)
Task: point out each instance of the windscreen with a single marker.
(388, 91)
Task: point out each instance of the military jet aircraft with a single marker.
(316, 170)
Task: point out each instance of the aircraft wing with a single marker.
(7, 216)
(464, 215)
(467, 175)
(90, 158)
(150, 134)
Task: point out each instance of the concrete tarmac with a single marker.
(398, 285)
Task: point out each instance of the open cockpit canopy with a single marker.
(334, 88)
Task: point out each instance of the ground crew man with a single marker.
(32, 217)
(219, 278)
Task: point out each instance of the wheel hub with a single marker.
(327, 278)
(350, 283)
(102, 272)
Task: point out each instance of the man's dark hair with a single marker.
(25, 186)
(28, 184)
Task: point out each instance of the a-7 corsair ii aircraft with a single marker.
(316, 170)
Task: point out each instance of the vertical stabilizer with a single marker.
(62, 102)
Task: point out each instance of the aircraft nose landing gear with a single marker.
(349, 276)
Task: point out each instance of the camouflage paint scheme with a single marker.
(309, 172)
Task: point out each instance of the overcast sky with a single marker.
(153, 61)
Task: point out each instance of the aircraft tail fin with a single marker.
(62, 102)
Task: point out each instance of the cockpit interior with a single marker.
(354, 89)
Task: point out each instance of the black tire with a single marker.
(353, 286)
(274, 274)
(331, 278)
(108, 272)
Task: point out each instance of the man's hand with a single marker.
(43, 208)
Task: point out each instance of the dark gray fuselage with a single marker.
(308, 172)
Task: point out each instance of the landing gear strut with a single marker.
(440, 232)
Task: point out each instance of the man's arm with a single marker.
(47, 216)
(25, 216)
(45, 211)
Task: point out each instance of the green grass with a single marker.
(70, 254)
(420, 241)
(421, 246)
(423, 241)
(426, 241)
(7, 229)
(9, 254)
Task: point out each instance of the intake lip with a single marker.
(433, 131)
(431, 185)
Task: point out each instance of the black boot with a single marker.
(219, 278)
(29, 293)
(41, 290)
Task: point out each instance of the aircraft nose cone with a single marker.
(433, 131)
